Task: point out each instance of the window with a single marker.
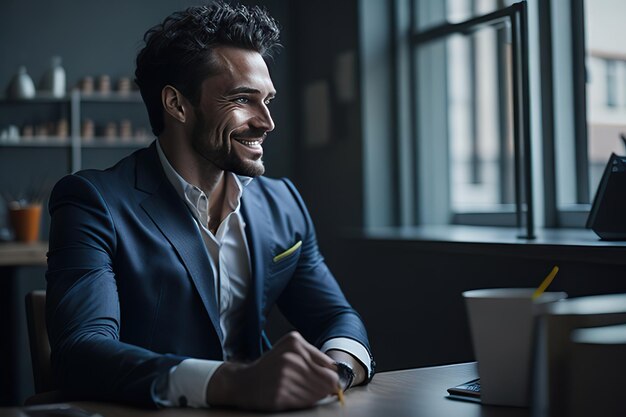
(449, 128)
(471, 109)
(479, 118)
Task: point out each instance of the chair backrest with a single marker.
(39, 343)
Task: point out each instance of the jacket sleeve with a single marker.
(313, 301)
(82, 305)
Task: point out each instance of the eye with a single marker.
(242, 100)
(267, 101)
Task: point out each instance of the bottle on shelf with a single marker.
(53, 80)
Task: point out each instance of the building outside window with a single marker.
(606, 83)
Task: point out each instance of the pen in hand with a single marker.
(342, 400)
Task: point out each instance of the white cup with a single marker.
(502, 328)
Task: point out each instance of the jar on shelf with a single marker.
(62, 129)
(104, 84)
(87, 130)
(110, 132)
(126, 130)
(124, 85)
(27, 132)
(86, 85)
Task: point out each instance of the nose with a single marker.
(263, 119)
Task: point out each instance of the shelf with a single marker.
(38, 142)
(112, 97)
(77, 102)
(38, 99)
(100, 142)
(97, 142)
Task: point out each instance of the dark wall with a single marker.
(330, 175)
(409, 292)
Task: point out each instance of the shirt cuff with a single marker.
(187, 384)
(352, 347)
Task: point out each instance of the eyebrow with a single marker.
(248, 90)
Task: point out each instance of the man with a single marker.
(162, 270)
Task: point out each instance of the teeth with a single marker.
(250, 143)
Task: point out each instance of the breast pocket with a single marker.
(279, 274)
(286, 260)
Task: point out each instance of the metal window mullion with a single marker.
(414, 120)
(406, 197)
(474, 162)
(394, 151)
(503, 121)
(547, 110)
(525, 103)
(517, 157)
(580, 100)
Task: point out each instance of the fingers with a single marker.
(293, 341)
(302, 374)
(317, 362)
(318, 381)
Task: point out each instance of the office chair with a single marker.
(38, 337)
(40, 349)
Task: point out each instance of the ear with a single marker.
(174, 103)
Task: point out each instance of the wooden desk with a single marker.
(19, 254)
(415, 392)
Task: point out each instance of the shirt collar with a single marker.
(193, 195)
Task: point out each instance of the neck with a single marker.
(190, 165)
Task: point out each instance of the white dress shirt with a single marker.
(229, 257)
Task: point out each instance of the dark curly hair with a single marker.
(178, 51)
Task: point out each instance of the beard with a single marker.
(222, 154)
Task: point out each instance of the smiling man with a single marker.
(162, 270)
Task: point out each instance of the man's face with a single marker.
(233, 118)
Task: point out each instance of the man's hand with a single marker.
(294, 374)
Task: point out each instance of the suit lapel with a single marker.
(258, 233)
(172, 218)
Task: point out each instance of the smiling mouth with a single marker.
(250, 142)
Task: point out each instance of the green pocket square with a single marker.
(288, 252)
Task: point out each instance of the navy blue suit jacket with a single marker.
(130, 288)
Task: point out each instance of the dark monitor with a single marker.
(608, 213)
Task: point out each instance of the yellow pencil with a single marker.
(546, 282)
(342, 401)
